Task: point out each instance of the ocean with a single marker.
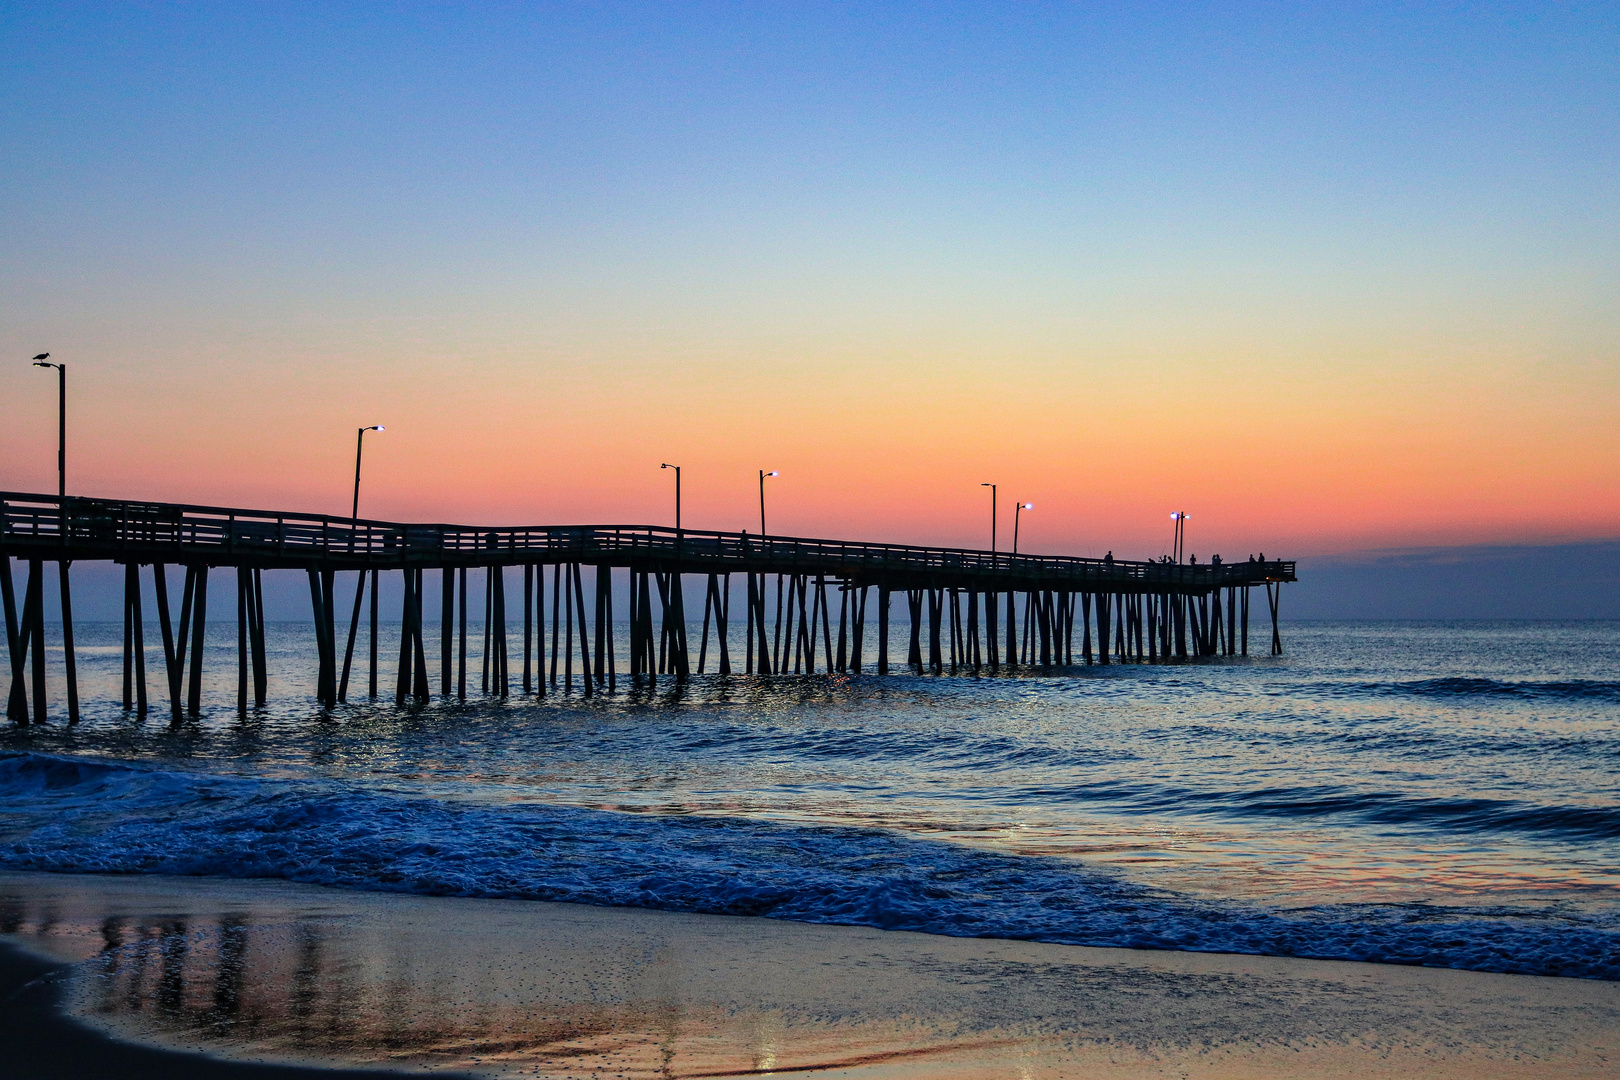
(1444, 794)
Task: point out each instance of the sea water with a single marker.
(1444, 794)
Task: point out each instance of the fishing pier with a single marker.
(804, 602)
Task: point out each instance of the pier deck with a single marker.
(1144, 611)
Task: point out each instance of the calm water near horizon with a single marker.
(1440, 793)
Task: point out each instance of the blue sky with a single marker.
(1376, 242)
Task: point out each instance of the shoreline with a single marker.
(268, 978)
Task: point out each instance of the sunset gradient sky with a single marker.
(1328, 277)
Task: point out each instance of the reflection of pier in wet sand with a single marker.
(270, 970)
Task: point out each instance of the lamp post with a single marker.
(61, 421)
(992, 488)
(677, 469)
(762, 475)
(1178, 545)
(359, 445)
(1021, 507)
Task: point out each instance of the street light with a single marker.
(992, 488)
(762, 475)
(1180, 542)
(61, 421)
(677, 469)
(359, 445)
(1021, 507)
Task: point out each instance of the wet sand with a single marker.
(255, 977)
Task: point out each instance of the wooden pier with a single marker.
(805, 602)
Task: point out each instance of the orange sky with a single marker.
(1328, 279)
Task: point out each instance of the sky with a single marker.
(1329, 278)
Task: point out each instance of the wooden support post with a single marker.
(1275, 596)
(528, 624)
(1012, 628)
(503, 657)
(584, 640)
(796, 633)
(160, 585)
(953, 602)
(16, 710)
(354, 630)
(859, 647)
(461, 642)
(1231, 620)
(826, 621)
(841, 663)
(749, 622)
(992, 642)
(1121, 616)
(132, 584)
(447, 631)
(329, 611)
(489, 626)
(540, 630)
(709, 591)
(935, 599)
(914, 655)
(1183, 605)
(243, 600)
(1085, 626)
(645, 622)
(604, 620)
(1103, 614)
(420, 676)
(36, 607)
(607, 613)
(1044, 625)
(70, 664)
(883, 629)
(199, 622)
(1246, 591)
(975, 651)
(129, 638)
(261, 667)
(725, 624)
(568, 622)
(403, 683)
(635, 623)
(316, 601)
(17, 700)
(556, 617)
(1152, 603)
(776, 645)
(1026, 643)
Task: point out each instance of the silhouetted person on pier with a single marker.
(1108, 559)
(1192, 560)
(1216, 561)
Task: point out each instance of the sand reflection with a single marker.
(266, 970)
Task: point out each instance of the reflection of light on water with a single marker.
(767, 1038)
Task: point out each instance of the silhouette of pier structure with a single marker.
(804, 602)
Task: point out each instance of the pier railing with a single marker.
(45, 526)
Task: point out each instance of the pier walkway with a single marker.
(958, 599)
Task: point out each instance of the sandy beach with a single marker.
(203, 977)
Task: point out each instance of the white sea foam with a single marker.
(81, 815)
